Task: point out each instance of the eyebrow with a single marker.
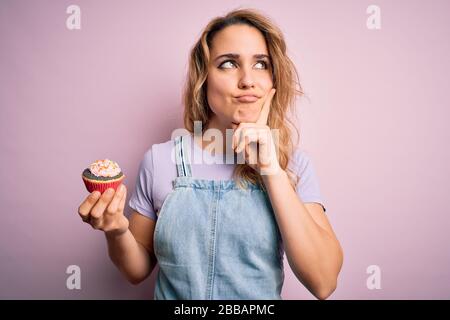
(236, 56)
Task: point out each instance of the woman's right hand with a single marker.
(106, 211)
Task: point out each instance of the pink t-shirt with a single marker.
(157, 170)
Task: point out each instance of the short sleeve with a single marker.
(308, 188)
(142, 198)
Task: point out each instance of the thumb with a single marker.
(123, 200)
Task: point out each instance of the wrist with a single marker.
(116, 234)
(273, 175)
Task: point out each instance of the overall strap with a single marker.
(182, 158)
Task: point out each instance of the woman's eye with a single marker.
(263, 63)
(226, 63)
(229, 64)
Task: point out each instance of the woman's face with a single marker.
(239, 75)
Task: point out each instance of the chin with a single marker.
(234, 125)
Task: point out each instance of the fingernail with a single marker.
(109, 191)
(121, 189)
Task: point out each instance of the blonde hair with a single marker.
(285, 80)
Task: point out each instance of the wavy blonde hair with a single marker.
(285, 80)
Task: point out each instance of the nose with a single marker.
(246, 79)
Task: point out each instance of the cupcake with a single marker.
(101, 175)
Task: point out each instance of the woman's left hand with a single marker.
(255, 140)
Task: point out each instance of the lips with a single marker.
(247, 98)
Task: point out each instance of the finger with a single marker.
(264, 114)
(96, 223)
(102, 203)
(239, 139)
(237, 135)
(266, 152)
(251, 151)
(85, 208)
(123, 200)
(248, 136)
(235, 138)
(114, 205)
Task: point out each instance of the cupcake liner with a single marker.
(97, 185)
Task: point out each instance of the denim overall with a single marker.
(214, 240)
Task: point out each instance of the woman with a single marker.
(218, 230)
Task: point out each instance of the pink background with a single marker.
(374, 124)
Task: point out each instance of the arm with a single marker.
(312, 249)
(132, 251)
(130, 241)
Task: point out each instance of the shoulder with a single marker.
(163, 147)
(155, 152)
(161, 158)
(165, 150)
